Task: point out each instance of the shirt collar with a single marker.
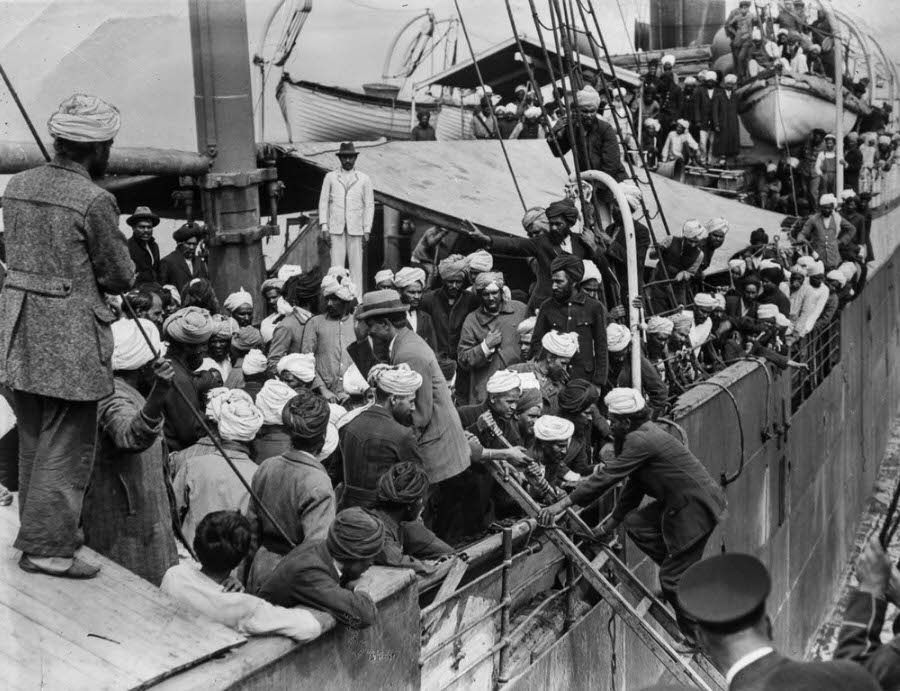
(746, 661)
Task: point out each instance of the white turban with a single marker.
(384, 276)
(532, 113)
(272, 398)
(527, 380)
(560, 344)
(254, 362)
(816, 269)
(480, 261)
(769, 264)
(693, 229)
(884, 139)
(354, 384)
(849, 269)
(710, 76)
(652, 124)
(552, 428)
(766, 311)
(847, 194)
(827, 200)
(660, 325)
(690, 81)
(720, 301)
(782, 322)
(756, 34)
(738, 264)
(667, 61)
(237, 299)
(397, 380)
(83, 118)
(239, 418)
(344, 289)
(624, 401)
(591, 271)
(705, 301)
(130, 349)
(301, 365)
(339, 272)
(214, 399)
(633, 194)
(332, 438)
(407, 276)
(836, 275)
(771, 167)
(684, 123)
(589, 97)
(289, 270)
(270, 283)
(526, 327)
(730, 79)
(617, 337)
(502, 381)
(717, 224)
(683, 321)
(805, 263)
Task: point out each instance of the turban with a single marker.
(617, 337)
(339, 272)
(805, 263)
(738, 264)
(526, 327)
(528, 380)
(710, 76)
(705, 301)
(667, 60)
(884, 139)
(720, 301)
(191, 325)
(214, 399)
(502, 381)
(769, 264)
(633, 194)
(591, 272)
(771, 167)
(354, 384)
(552, 428)
(222, 327)
(766, 311)
(239, 419)
(690, 81)
(479, 261)
(530, 398)
(332, 439)
(83, 118)
(816, 269)
(187, 231)
(302, 288)
(533, 112)
(782, 322)
(407, 276)
(717, 224)
(564, 208)
(683, 123)
(384, 276)
(652, 124)
(847, 194)
(773, 274)
(247, 338)
(238, 299)
(355, 534)
(730, 79)
(306, 415)
(270, 283)
(569, 263)
(660, 325)
(838, 276)
(623, 401)
(343, 289)
(448, 368)
(588, 97)
(404, 483)
(849, 270)
(254, 362)
(693, 229)
(301, 365)
(289, 271)
(827, 200)
(272, 398)
(173, 293)
(397, 380)
(578, 395)
(683, 322)
(486, 279)
(453, 267)
(130, 349)
(536, 215)
(560, 344)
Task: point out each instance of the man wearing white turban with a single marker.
(658, 330)
(619, 340)
(240, 305)
(680, 259)
(205, 483)
(551, 366)
(272, 438)
(130, 455)
(410, 283)
(680, 144)
(384, 279)
(652, 463)
(298, 370)
(327, 336)
(825, 231)
(65, 250)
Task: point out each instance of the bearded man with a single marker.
(449, 305)
(551, 365)
(410, 283)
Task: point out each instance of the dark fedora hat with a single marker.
(379, 303)
(347, 149)
(142, 213)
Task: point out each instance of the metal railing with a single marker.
(821, 350)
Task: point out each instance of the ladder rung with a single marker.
(643, 606)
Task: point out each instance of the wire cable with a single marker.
(15, 95)
(725, 479)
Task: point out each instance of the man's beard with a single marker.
(405, 418)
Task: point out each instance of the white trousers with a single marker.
(707, 140)
(349, 249)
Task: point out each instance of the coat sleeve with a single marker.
(264, 618)
(470, 352)
(601, 359)
(408, 449)
(634, 454)
(859, 639)
(107, 246)
(425, 395)
(514, 247)
(421, 542)
(653, 385)
(316, 510)
(317, 589)
(368, 205)
(278, 348)
(559, 143)
(120, 419)
(541, 327)
(324, 202)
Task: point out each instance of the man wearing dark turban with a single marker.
(578, 403)
(449, 305)
(322, 574)
(407, 542)
(294, 486)
(558, 240)
(301, 292)
(182, 264)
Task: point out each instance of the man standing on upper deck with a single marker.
(142, 246)
(346, 212)
(65, 250)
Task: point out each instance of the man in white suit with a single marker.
(346, 211)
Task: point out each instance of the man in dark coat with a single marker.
(182, 264)
(449, 305)
(569, 310)
(410, 283)
(703, 114)
(65, 250)
(687, 502)
(142, 245)
(726, 595)
(726, 122)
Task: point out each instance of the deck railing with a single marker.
(821, 350)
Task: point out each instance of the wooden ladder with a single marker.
(629, 598)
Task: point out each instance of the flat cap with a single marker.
(726, 592)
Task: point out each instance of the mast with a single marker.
(223, 106)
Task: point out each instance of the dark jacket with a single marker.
(146, 263)
(600, 153)
(476, 366)
(173, 270)
(774, 672)
(287, 338)
(406, 542)
(777, 298)
(307, 577)
(859, 639)
(703, 108)
(652, 385)
(181, 427)
(447, 319)
(371, 444)
(587, 318)
(64, 250)
(425, 328)
(653, 463)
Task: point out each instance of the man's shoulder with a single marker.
(50, 177)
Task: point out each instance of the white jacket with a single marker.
(347, 203)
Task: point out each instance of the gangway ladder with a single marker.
(630, 599)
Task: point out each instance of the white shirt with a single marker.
(413, 318)
(746, 661)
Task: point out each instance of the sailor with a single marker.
(324, 574)
(183, 264)
(550, 366)
(726, 121)
(687, 502)
(327, 335)
(346, 212)
(726, 596)
(618, 338)
(824, 230)
(410, 283)
(142, 245)
(423, 132)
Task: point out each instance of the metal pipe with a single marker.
(506, 601)
(123, 160)
(848, 22)
(891, 71)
